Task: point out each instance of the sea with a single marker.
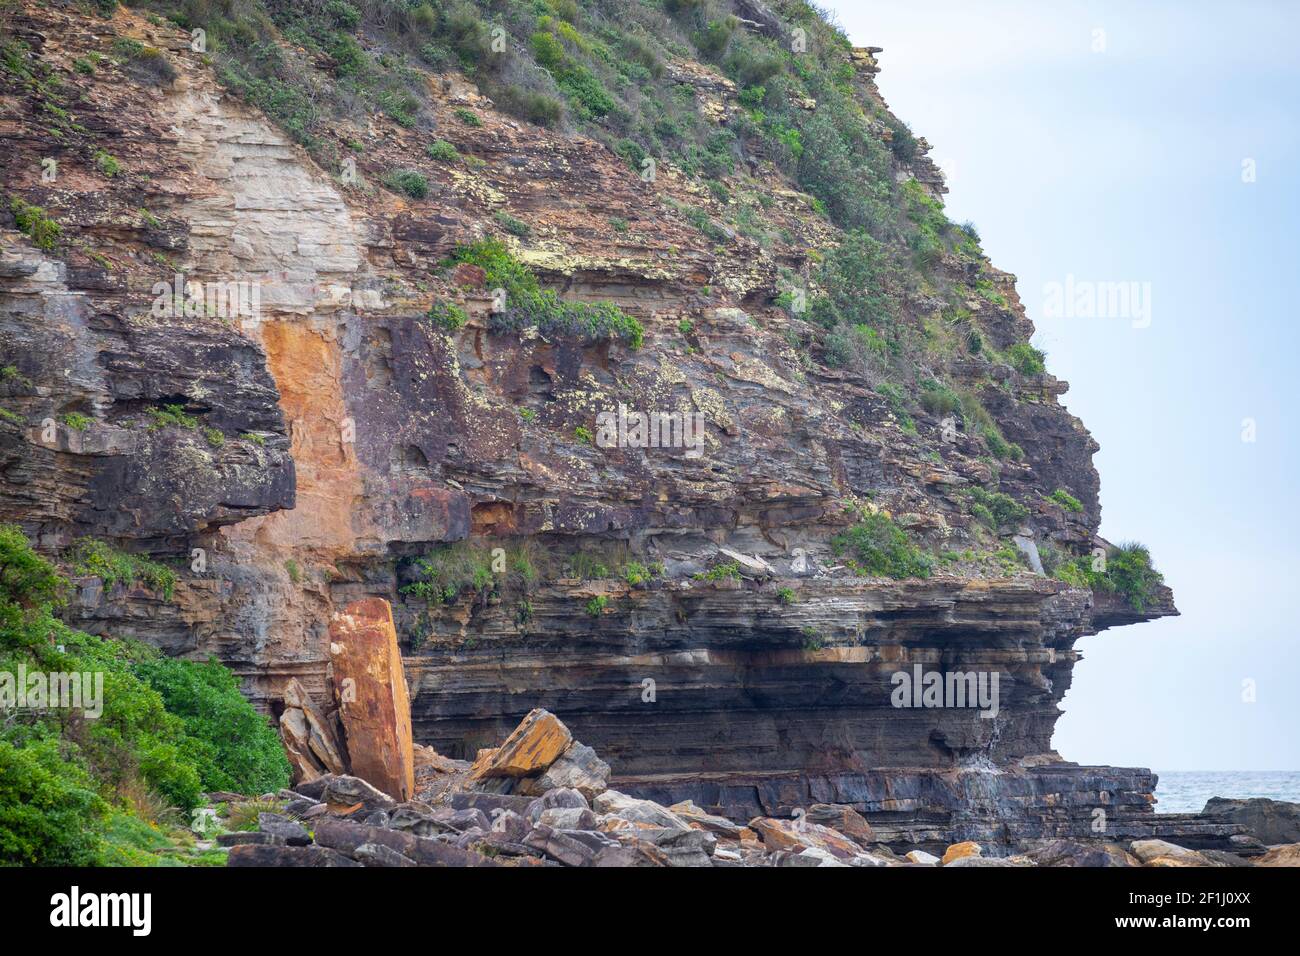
(1186, 791)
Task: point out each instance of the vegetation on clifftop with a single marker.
(1127, 571)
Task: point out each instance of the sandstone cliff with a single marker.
(699, 619)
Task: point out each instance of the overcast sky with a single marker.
(1109, 141)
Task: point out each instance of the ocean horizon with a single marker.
(1186, 791)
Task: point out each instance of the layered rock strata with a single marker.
(337, 433)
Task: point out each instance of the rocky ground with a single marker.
(541, 799)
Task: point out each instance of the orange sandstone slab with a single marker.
(373, 699)
(959, 850)
(533, 746)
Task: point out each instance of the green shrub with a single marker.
(516, 227)
(235, 749)
(75, 790)
(43, 231)
(1004, 510)
(447, 573)
(1066, 500)
(1131, 573)
(596, 606)
(785, 595)
(107, 165)
(136, 752)
(878, 547)
(50, 813)
(27, 581)
(76, 421)
(580, 86)
(148, 64)
(530, 306)
(939, 399)
(468, 117)
(1026, 359)
(531, 105)
(989, 292)
(447, 316)
(999, 446)
(583, 434)
(903, 142)
(635, 573)
(408, 181)
(214, 437)
(725, 571)
(587, 566)
(90, 557)
(443, 152)
(1128, 572)
(171, 415)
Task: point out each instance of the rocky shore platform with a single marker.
(542, 798)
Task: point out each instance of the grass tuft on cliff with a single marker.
(1127, 570)
(93, 558)
(528, 305)
(877, 547)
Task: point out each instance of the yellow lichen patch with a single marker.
(714, 408)
(554, 257)
(469, 184)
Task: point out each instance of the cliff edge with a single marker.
(625, 350)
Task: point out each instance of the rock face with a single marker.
(372, 696)
(1272, 821)
(335, 434)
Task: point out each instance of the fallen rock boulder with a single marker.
(798, 835)
(531, 748)
(310, 739)
(372, 695)
(283, 856)
(1288, 855)
(1272, 821)
(1074, 853)
(843, 820)
(633, 810)
(578, 768)
(289, 831)
(1162, 853)
(959, 851)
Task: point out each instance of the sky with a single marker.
(1154, 143)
